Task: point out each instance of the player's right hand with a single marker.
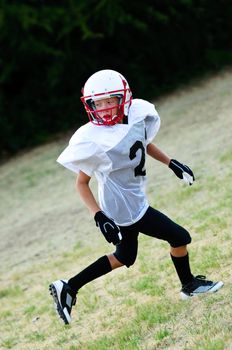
(108, 228)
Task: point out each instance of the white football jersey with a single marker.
(116, 156)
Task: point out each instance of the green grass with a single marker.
(46, 233)
(12, 291)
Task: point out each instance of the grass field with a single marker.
(46, 233)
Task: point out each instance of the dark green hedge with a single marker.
(49, 48)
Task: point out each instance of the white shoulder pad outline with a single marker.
(144, 110)
(82, 134)
(83, 153)
(140, 109)
(84, 156)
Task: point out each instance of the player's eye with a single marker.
(97, 105)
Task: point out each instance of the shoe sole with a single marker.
(214, 289)
(55, 289)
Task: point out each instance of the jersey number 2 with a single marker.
(139, 171)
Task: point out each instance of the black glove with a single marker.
(108, 228)
(182, 171)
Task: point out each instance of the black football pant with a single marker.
(154, 224)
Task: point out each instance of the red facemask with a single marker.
(105, 119)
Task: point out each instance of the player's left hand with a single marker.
(182, 171)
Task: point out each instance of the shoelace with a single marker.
(200, 277)
(195, 281)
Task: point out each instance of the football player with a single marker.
(113, 147)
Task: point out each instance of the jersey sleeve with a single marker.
(152, 125)
(84, 156)
(144, 110)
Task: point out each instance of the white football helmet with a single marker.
(105, 84)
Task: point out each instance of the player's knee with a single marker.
(182, 239)
(130, 261)
(186, 238)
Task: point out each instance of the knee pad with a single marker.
(188, 238)
(183, 238)
(128, 260)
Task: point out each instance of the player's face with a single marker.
(107, 106)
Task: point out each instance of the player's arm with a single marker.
(82, 186)
(156, 153)
(181, 170)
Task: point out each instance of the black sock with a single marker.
(99, 268)
(182, 268)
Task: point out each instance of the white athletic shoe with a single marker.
(199, 285)
(64, 299)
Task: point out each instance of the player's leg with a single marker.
(126, 251)
(156, 224)
(125, 254)
(197, 284)
(64, 292)
(114, 262)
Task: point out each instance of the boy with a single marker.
(113, 147)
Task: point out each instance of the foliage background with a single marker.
(48, 49)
